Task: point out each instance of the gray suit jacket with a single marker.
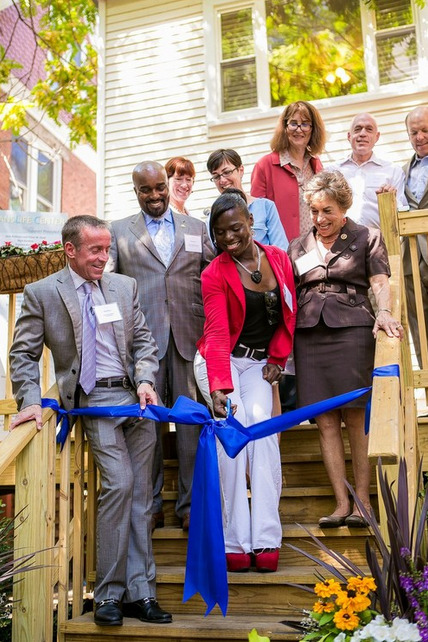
(169, 297)
(51, 315)
(422, 241)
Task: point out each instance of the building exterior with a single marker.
(38, 171)
(186, 77)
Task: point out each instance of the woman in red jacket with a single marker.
(283, 174)
(250, 305)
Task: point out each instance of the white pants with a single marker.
(245, 531)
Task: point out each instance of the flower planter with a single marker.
(17, 271)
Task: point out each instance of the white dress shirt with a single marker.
(365, 179)
(109, 363)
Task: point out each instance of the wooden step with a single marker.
(184, 628)
(170, 544)
(301, 504)
(267, 594)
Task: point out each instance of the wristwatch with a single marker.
(146, 381)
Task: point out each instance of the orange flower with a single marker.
(327, 588)
(353, 600)
(323, 607)
(362, 584)
(346, 620)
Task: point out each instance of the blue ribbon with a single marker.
(206, 571)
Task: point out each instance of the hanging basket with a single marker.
(17, 271)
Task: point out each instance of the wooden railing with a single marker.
(57, 525)
(393, 422)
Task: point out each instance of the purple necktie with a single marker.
(89, 365)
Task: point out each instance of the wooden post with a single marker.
(78, 518)
(64, 535)
(91, 521)
(35, 496)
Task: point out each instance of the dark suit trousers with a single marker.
(123, 450)
(175, 377)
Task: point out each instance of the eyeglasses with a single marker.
(294, 126)
(271, 304)
(227, 172)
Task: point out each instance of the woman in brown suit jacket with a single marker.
(334, 265)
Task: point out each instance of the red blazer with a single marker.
(224, 304)
(279, 184)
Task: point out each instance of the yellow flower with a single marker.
(346, 620)
(361, 584)
(327, 588)
(323, 607)
(353, 600)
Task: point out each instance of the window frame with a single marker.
(32, 197)
(212, 10)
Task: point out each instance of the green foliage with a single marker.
(310, 42)
(69, 88)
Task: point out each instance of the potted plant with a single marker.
(19, 266)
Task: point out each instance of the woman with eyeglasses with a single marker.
(335, 263)
(249, 303)
(283, 174)
(227, 170)
(181, 176)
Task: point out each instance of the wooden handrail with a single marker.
(405, 432)
(44, 512)
(386, 417)
(13, 444)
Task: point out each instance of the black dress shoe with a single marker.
(333, 521)
(147, 610)
(108, 613)
(158, 520)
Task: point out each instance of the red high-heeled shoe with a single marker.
(238, 562)
(267, 560)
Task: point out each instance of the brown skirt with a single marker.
(332, 361)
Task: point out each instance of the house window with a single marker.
(273, 52)
(32, 184)
(395, 41)
(238, 62)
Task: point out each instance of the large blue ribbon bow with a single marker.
(206, 571)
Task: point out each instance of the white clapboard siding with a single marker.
(153, 101)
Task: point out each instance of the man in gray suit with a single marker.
(103, 355)
(166, 252)
(416, 171)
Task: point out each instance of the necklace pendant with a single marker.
(256, 276)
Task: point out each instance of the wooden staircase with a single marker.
(256, 600)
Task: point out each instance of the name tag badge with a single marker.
(192, 243)
(307, 262)
(107, 313)
(288, 298)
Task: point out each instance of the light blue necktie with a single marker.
(89, 365)
(162, 242)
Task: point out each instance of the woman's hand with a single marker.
(220, 403)
(379, 284)
(386, 322)
(272, 373)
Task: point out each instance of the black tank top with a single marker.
(262, 316)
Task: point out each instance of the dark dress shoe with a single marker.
(108, 613)
(356, 521)
(158, 520)
(147, 610)
(333, 521)
(185, 522)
